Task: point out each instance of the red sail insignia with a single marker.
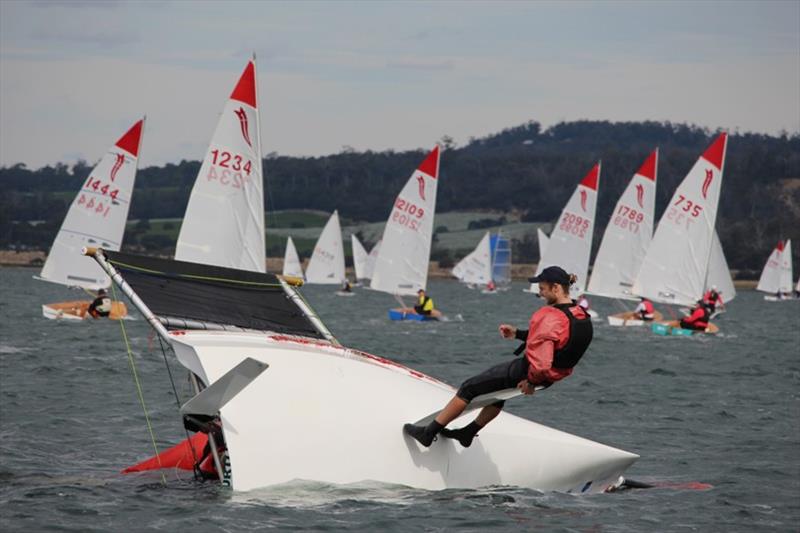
(421, 181)
(583, 199)
(242, 115)
(117, 165)
(640, 194)
(707, 182)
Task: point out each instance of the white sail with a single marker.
(543, 240)
(571, 240)
(786, 268)
(719, 275)
(224, 221)
(770, 280)
(675, 268)
(476, 267)
(627, 235)
(359, 257)
(326, 266)
(291, 261)
(96, 217)
(402, 264)
(369, 268)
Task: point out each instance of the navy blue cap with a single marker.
(552, 274)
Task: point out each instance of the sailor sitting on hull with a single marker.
(101, 306)
(424, 304)
(559, 335)
(698, 320)
(645, 310)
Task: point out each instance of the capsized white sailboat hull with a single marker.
(332, 414)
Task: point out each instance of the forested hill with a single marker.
(524, 169)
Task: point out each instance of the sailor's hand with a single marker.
(526, 387)
(507, 332)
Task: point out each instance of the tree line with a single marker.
(524, 169)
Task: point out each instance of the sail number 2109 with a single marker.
(407, 214)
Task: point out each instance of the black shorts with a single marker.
(499, 377)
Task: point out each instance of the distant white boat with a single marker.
(96, 217)
(224, 221)
(570, 242)
(291, 261)
(326, 266)
(543, 240)
(369, 267)
(360, 258)
(476, 267)
(776, 277)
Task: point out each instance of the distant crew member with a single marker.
(712, 298)
(558, 336)
(645, 310)
(491, 286)
(698, 320)
(101, 306)
(346, 287)
(424, 304)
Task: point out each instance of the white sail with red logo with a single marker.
(476, 268)
(224, 221)
(675, 268)
(627, 235)
(401, 267)
(571, 240)
(360, 258)
(326, 266)
(770, 280)
(291, 261)
(96, 217)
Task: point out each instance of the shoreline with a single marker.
(519, 271)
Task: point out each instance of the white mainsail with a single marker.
(719, 275)
(571, 240)
(543, 240)
(770, 280)
(326, 266)
(675, 268)
(359, 257)
(96, 217)
(402, 264)
(291, 261)
(476, 267)
(369, 268)
(224, 221)
(786, 268)
(627, 235)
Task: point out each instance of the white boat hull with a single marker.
(335, 415)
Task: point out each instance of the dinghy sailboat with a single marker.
(260, 344)
(224, 221)
(570, 242)
(776, 277)
(326, 266)
(96, 217)
(476, 267)
(369, 267)
(675, 269)
(501, 261)
(625, 242)
(291, 261)
(360, 258)
(401, 268)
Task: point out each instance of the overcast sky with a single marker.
(382, 75)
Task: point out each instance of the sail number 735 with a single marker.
(683, 212)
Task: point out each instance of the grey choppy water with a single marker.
(721, 410)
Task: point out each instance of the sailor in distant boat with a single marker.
(712, 298)
(424, 304)
(698, 320)
(346, 286)
(558, 337)
(645, 310)
(101, 306)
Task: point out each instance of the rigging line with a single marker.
(139, 387)
(315, 315)
(177, 401)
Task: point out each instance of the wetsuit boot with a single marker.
(424, 435)
(463, 435)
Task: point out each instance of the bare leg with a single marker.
(452, 411)
(487, 414)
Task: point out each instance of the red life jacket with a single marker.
(699, 317)
(648, 307)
